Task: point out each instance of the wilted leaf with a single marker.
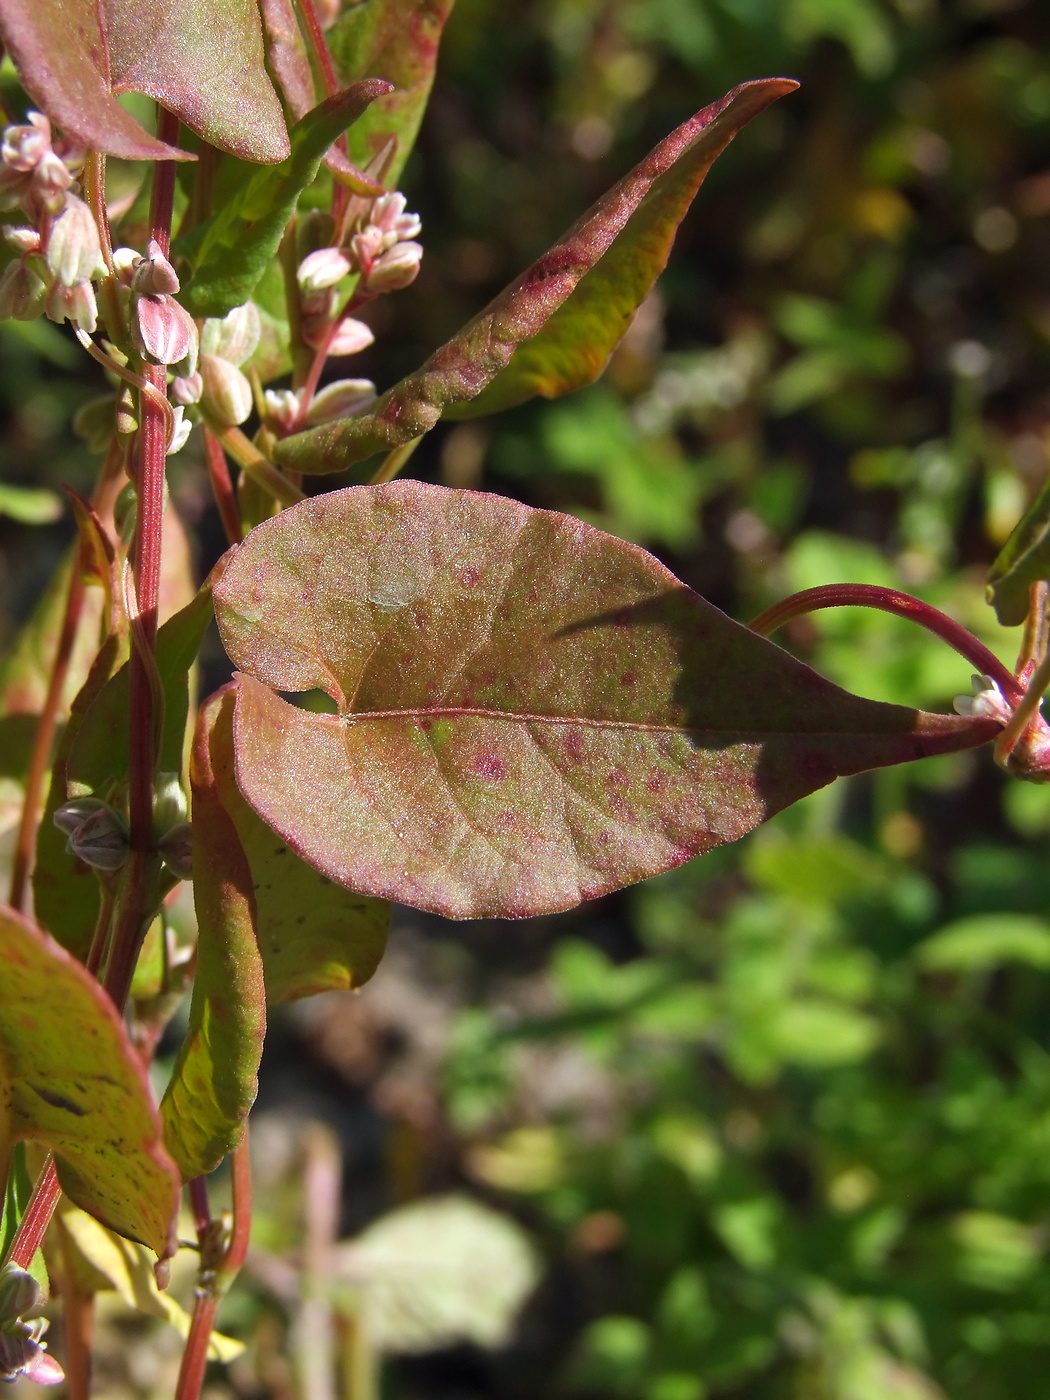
(531, 712)
(314, 935)
(555, 327)
(202, 62)
(214, 1082)
(73, 1082)
(1023, 560)
(437, 1272)
(986, 941)
(230, 252)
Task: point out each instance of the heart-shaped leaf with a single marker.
(314, 936)
(74, 1082)
(204, 62)
(554, 328)
(230, 251)
(1023, 560)
(214, 1082)
(530, 712)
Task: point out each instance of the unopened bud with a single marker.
(73, 813)
(76, 304)
(23, 147)
(395, 269)
(176, 848)
(125, 261)
(351, 337)
(19, 1292)
(22, 240)
(388, 215)
(164, 330)
(127, 418)
(282, 408)
(340, 399)
(187, 388)
(154, 275)
(101, 840)
(227, 396)
(235, 336)
(74, 253)
(23, 292)
(367, 246)
(323, 269)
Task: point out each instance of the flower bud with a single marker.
(388, 215)
(164, 330)
(176, 848)
(19, 1292)
(76, 304)
(351, 337)
(187, 388)
(101, 840)
(127, 418)
(125, 261)
(22, 240)
(22, 292)
(23, 147)
(71, 815)
(395, 269)
(74, 253)
(227, 396)
(282, 409)
(180, 432)
(323, 269)
(154, 275)
(367, 246)
(340, 399)
(235, 337)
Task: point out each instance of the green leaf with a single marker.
(231, 251)
(438, 1272)
(553, 329)
(396, 40)
(986, 941)
(71, 1079)
(314, 936)
(214, 1082)
(530, 713)
(29, 506)
(1023, 560)
(204, 62)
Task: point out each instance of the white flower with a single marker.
(283, 408)
(180, 431)
(987, 701)
(322, 269)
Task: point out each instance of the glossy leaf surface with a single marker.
(554, 328)
(231, 251)
(531, 712)
(214, 1081)
(1023, 560)
(314, 935)
(74, 1083)
(203, 62)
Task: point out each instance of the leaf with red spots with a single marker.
(553, 329)
(529, 712)
(204, 62)
(71, 1080)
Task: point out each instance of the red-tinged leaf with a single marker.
(314, 935)
(530, 712)
(396, 40)
(70, 1079)
(214, 1082)
(554, 328)
(204, 62)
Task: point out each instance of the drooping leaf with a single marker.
(436, 1272)
(214, 1082)
(314, 935)
(232, 249)
(1023, 560)
(554, 328)
(203, 62)
(70, 1079)
(396, 40)
(530, 712)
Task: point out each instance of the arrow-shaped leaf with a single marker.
(530, 712)
(230, 252)
(70, 1079)
(204, 62)
(554, 328)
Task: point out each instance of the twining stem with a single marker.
(866, 595)
(216, 1275)
(222, 486)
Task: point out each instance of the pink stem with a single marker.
(866, 595)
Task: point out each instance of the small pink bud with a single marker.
(101, 840)
(74, 253)
(388, 215)
(22, 240)
(176, 848)
(340, 399)
(22, 292)
(235, 336)
(44, 1370)
(165, 331)
(23, 146)
(395, 269)
(227, 396)
(51, 181)
(187, 388)
(323, 269)
(76, 304)
(155, 276)
(351, 337)
(367, 246)
(125, 261)
(282, 409)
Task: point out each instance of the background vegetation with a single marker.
(777, 1124)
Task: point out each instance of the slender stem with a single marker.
(103, 925)
(353, 303)
(241, 1229)
(250, 459)
(95, 188)
(43, 741)
(394, 461)
(195, 1355)
(330, 81)
(222, 486)
(38, 1214)
(864, 595)
(78, 1317)
(198, 1193)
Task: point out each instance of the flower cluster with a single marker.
(22, 1350)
